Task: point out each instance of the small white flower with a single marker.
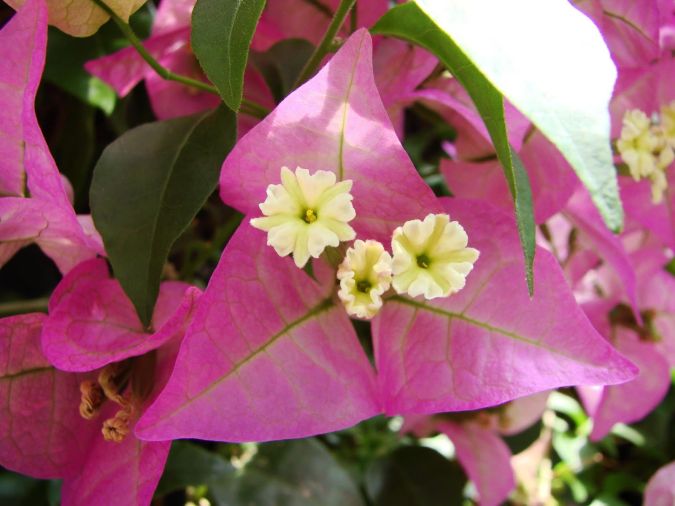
(646, 149)
(364, 274)
(306, 213)
(431, 257)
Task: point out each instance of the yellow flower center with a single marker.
(306, 213)
(310, 216)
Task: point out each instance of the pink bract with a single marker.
(551, 178)
(41, 431)
(486, 459)
(47, 217)
(660, 490)
(43, 435)
(335, 121)
(269, 356)
(309, 21)
(93, 323)
(585, 217)
(630, 29)
(473, 350)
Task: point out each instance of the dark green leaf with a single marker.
(221, 33)
(290, 473)
(65, 68)
(415, 476)
(281, 65)
(147, 187)
(192, 465)
(408, 22)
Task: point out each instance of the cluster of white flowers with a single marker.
(647, 145)
(308, 212)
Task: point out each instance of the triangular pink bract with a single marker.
(269, 356)
(489, 343)
(335, 121)
(93, 323)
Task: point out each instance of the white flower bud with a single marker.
(364, 274)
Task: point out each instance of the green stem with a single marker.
(23, 306)
(254, 109)
(326, 43)
(251, 108)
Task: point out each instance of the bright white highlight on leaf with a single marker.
(431, 257)
(364, 274)
(645, 147)
(562, 83)
(306, 213)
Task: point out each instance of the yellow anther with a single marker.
(91, 400)
(115, 429)
(310, 216)
(114, 378)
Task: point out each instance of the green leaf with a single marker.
(409, 22)
(281, 65)
(415, 476)
(290, 473)
(551, 62)
(147, 187)
(66, 56)
(192, 465)
(221, 34)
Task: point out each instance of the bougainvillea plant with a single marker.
(357, 252)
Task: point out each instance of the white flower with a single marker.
(306, 213)
(431, 257)
(646, 148)
(364, 274)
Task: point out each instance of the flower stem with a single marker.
(23, 306)
(326, 43)
(251, 108)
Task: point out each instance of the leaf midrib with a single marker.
(158, 216)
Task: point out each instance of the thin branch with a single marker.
(24, 306)
(326, 43)
(251, 108)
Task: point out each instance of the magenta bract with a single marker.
(335, 121)
(93, 323)
(269, 356)
(473, 349)
(47, 217)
